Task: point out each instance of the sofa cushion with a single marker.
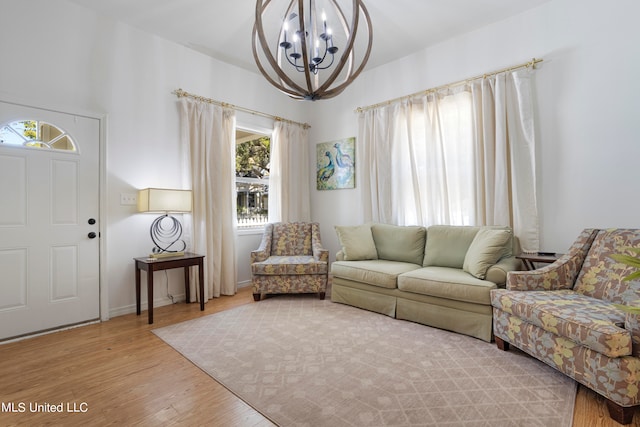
(447, 245)
(382, 273)
(399, 243)
(289, 265)
(486, 249)
(357, 242)
(590, 322)
(449, 283)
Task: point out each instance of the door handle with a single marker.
(92, 235)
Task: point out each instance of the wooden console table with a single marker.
(156, 264)
(542, 257)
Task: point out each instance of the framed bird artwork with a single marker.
(336, 164)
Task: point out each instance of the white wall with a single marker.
(588, 97)
(64, 56)
(60, 55)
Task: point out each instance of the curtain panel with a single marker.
(289, 195)
(208, 133)
(461, 156)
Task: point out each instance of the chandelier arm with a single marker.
(287, 14)
(279, 85)
(324, 56)
(303, 47)
(259, 32)
(338, 89)
(352, 30)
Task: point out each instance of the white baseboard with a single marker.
(158, 302)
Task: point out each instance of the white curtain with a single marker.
(505, 167)
(463, 156)
(208, 133)
(289, 178)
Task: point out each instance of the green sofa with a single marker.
(439, 276)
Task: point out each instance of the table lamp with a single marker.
(166, 230)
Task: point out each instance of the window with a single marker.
(252, 178)
(35, 134)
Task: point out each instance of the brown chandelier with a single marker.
(315, 55)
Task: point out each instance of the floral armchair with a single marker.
(568, 316)
(290, 259)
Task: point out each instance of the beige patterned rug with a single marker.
(304, 362)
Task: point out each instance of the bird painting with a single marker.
(345, 167)
(327, 171)
(342, 159)
(339, 170)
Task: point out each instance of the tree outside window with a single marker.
(252, 178)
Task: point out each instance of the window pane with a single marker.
(252, 178)
(35, 134)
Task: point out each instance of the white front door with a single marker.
(49, 205)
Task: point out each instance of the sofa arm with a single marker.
(258, 256)
(319, 252)
(321, 255)
(264, 250)
(497, 273)
(561, 274)
(632, 324)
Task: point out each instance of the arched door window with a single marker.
(36, 134)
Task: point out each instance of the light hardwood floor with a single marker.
(120, 373)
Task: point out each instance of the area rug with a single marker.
(304, 362)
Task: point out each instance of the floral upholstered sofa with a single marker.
(568, 315)
(290, 259)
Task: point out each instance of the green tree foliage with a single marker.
(30, 130)
(252, 158)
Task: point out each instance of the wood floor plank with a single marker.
(126, 375)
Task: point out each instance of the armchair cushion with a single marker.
(357, 242)
(287, 265)
(593, 323)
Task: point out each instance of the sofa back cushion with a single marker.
(399, 243)
(447, 245)
(356, 242)
(601, 276)
(291, 238)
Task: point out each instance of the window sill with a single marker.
(247, 231)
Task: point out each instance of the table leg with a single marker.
(150, 294)
(137, 289)
(201, 283)
(187, 288)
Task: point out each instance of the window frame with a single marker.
(261, 132)
(37, 142)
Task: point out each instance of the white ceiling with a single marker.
(222, 28)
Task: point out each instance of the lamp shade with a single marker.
(164, 200)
